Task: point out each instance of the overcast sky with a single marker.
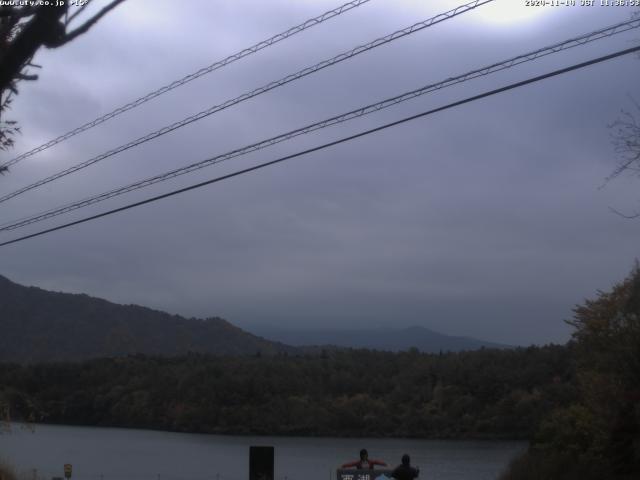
(486, 220)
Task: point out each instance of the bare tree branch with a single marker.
(26, 76)
(626, 141)
(42, 28)
(623, 215)
(13, 12)
(23, 30)
(78, 12)
(87, 25)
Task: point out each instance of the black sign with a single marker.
(260, 463)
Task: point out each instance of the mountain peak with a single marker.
(380, 338)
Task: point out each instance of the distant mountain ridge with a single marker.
(389, 339)
(37, 325)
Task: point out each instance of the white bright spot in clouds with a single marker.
(503, 13)
(509, 12)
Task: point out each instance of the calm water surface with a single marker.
(119, 454)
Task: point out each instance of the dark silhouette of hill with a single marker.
(40, 326)
(389, 339)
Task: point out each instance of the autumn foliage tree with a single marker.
(607, 338)
(598, 436)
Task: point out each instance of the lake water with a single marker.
(115, 454)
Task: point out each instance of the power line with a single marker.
(258, 91)
(192, 76)
(336, 142)
(527, 57)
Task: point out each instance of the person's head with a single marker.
(363, 454)
(406, 460)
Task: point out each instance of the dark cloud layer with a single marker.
(486, 220)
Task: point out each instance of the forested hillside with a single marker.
(38, 325)
(486, 393)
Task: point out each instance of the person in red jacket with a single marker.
(364, 463)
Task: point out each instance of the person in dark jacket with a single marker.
(405, 471)
(364, 463)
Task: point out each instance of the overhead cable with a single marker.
(258, 91)
(333, 143)
(192, 76)
(495, 67)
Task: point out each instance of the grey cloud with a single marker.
(484, 220)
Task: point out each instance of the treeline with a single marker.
(479, 394)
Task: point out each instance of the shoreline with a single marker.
(481, 439)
